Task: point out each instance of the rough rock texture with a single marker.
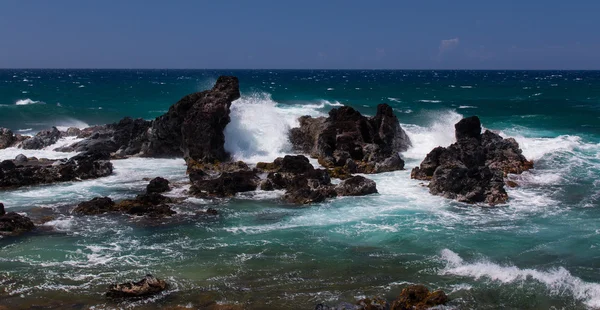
(418, 297)
(126, 137)
(304, 184)
(356, 186)
(98, 205)
(472, 169)
(148, 286)
(226, 184)
(13, 223)
(42, 139)
(158, 185)
(7, 138)
(89, 165)
(349, 140)
(148, 204)
(193, 128)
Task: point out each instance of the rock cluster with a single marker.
(304, 184)
(472, 170)
(151, 203)
(192, 128)
(23, 171)
(13, 223)
(148, 286)
(351, 142)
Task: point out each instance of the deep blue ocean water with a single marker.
(541, 250)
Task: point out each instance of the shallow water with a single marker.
(539, 251)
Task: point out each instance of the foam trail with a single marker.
(558, 280)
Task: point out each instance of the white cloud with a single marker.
(447, 45)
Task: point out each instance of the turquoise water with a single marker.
(539, 251)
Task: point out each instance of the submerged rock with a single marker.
(418, 297)
(42, 139)
(148, 286)
(158, 185)
(472, 169)
(348, 140)
(16, 173)
(13, 223)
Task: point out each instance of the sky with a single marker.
(287, 34)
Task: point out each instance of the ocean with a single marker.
(539, 251)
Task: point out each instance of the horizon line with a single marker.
(297, 69)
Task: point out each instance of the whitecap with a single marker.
(429, 101)
(467, 107)
(557, 280)
(27, 102)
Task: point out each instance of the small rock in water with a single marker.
(2, 212)
(146, 287)
(158, 185)
(21, 158)
(97, 205)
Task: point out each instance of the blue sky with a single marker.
(300, 34)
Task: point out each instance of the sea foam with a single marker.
(558, 281)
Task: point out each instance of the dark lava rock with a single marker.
(42, 139)
(146, 287)
(356, 186)
(472, 169)
(87, 165)
(193, 128)
(418, 297)
(158, 185)
(98, 205)
(226, 184)
(126, 137)
(7, 138)
(304, 184)
(349, 140)
(13, 223)
(150, 204)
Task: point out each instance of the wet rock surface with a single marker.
(158, 185)
(472, 170)
(348, 140)
(148, 286)
(42, 139)
(12, 223)
(304, 184)
(31, 171)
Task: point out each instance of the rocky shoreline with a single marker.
(345, 143)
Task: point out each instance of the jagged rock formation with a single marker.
(42, 139)
(304, 184)
(31, 171)
(148, 286)
(13, 223)
(351, 143)
(192, 128)
(158, 185)
(472, 169)
(9, 139)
